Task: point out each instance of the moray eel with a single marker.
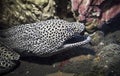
(43, 38)
(7, 58)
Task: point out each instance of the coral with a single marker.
(95, 12)
(26, 11)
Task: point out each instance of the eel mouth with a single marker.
(75, 39)
(79, 43)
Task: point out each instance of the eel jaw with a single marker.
(87, 40)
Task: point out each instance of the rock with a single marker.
(97, 37)
(109, 59)
(105, 61)
(112, 38)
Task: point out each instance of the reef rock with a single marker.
(95, 12)
(26, 11)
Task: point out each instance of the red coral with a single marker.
(99, 10)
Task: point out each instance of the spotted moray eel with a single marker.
(43, 38)
(7, 58)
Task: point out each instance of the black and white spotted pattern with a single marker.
(41, 38)
(7, 56)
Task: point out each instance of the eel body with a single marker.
(8, 58)
(42, 38)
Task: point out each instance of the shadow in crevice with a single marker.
(112, 25)
(6, 71)
(108, 4)
(67, 54)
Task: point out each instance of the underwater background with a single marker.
(99, 57)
